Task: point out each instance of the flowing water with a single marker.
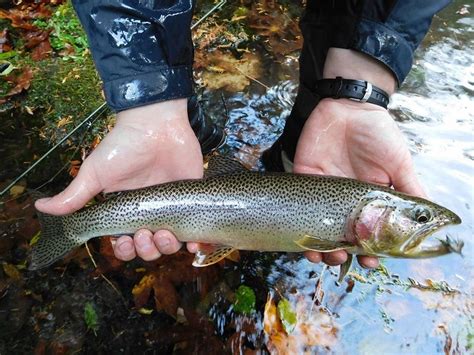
(435, 109)
(409, 306)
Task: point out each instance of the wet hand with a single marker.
(149, 145)
(346, 138)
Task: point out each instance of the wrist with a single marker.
(350, 64)
(347, 104)
(157, 116)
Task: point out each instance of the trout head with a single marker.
(397, 225)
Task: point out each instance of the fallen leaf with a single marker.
(4, 42)
(29, 110)
(74, 168)
(141, 291)
(41, 51)
(20, 17)
(35, 238)
(35, 38)
(11, 271)
(166, 298)
(64, 121)
(22, 82)
(67, 51)
(95, 142)
(287, 315)
(107, 251)
(17, 190)
(232, 74)
(280, 30)
(309, 330)
(145, 311)
(271, 320)
(90, 317)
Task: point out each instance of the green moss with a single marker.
(66, 31)
(65, 88)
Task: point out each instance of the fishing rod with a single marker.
(96, 113)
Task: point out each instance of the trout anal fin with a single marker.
(321, 245)
(204, 258)
(345, 268)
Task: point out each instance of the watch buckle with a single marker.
(367, 93)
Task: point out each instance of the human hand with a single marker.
(149, 145)
(352, 139)
(346, 138)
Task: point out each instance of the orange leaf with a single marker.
(22, 82)
(42, 50)
(4, 45)
(74, 169)
(141, 292)
(107, 251)
(271, 320)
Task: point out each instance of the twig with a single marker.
(318, 293)
(97, 112)
(252, 78)
(100, 273)
(206, 15)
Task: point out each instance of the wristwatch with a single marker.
(356, 90)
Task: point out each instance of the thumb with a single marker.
(299, 168)
(75, 196)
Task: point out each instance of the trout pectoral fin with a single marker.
(345, 268)
(321, 245)
(203, 258)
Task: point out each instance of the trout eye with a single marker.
(422, 215)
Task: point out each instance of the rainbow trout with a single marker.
(238, 209)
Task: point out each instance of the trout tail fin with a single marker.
(56, 240)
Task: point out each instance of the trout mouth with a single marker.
(414, 244)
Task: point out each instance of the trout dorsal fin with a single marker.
(204, 258)
(221, 165)
(322, 245)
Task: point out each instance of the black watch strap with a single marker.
(357, 90)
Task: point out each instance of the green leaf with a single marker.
(7, 55)
(91, 318)
(244, 300)
(35, 238)
(287, 315)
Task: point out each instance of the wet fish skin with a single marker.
(248, 211)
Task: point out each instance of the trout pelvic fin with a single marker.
(322, 245)
(345, 268)
(203, 258)
(55, 241)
